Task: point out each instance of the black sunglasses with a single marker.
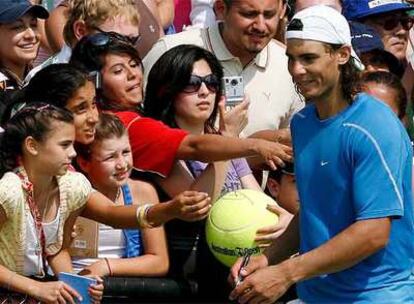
(128, 39)
(389, 24)
(194, 83)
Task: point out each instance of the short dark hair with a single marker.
(280, 171)
(378, 57)
(391, 81)
(55, 84)
(169, 76)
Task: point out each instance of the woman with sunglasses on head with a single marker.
(184, 91)
(20, 40)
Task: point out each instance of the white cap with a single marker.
(322, 23)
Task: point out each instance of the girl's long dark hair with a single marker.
(56, 84)
(33, 120)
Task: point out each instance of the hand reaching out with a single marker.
(191, 206)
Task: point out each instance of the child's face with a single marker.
(55, 153)
(83, 107)
(285, 192)
(110, 162)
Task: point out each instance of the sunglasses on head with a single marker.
(127, 39)
(194, 83)
(389, 24)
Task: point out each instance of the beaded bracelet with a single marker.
(142, 216)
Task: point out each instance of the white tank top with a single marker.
(33, 262)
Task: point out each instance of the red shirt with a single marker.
(154, 145)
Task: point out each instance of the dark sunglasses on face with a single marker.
(128, 39)
(389, 24)
(194, 84)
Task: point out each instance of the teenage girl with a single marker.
(63, 86)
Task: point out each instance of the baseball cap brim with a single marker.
(394, 7)
(15, 12)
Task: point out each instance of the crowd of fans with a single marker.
(115, 111)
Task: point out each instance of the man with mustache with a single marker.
(244, 46)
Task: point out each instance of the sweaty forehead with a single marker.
(302, 46)
(261, 5)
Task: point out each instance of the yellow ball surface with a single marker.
(233, 221)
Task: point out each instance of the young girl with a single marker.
(107, 161)
(40, 200)
(66, 87)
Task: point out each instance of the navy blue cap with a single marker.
(364, 38)
(12, 10)
(358, 9)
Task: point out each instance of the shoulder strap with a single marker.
(126, 193)
(133, 242)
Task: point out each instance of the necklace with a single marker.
(41, 245)
(118, 195)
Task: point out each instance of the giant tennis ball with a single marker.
(233, 221)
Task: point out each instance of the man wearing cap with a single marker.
(354, 181)
(388, 17)
(369, 47)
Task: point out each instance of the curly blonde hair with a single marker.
(95, 12)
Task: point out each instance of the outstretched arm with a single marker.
(188, 206)
(209, 148)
